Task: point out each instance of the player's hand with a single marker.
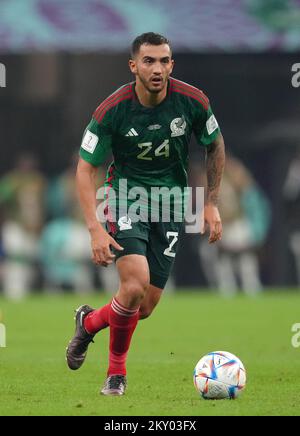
(212, 219)
(101, 242)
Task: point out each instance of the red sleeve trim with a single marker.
(118, 96)
(189, 91)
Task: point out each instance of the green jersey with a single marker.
(150, 146)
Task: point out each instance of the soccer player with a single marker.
(147, 126)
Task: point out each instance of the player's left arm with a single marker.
(209, 135)
(215, 163)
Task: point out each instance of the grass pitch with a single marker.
(34, 379)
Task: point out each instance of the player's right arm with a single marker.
(96, 145)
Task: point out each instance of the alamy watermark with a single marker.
(296, 336)
(159, 204)
(2, 336)
(2, 76)
(296, 76)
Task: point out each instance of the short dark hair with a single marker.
(148, 38)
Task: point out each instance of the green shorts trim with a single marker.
(131, 246)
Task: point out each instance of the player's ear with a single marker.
(132, 66)
(173, 64)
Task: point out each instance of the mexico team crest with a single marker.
(125, 223)
(178, 126)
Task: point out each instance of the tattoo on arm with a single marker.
(215, 162)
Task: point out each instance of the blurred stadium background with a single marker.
(63, 58)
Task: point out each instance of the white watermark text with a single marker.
(296, 75)
(2, 336)
(2, 76)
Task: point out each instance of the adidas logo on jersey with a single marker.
(132, 132)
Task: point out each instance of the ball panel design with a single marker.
(220, 375)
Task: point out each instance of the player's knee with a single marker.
(135, 289)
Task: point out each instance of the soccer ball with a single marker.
(219, 375)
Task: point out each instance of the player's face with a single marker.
(153, 65)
